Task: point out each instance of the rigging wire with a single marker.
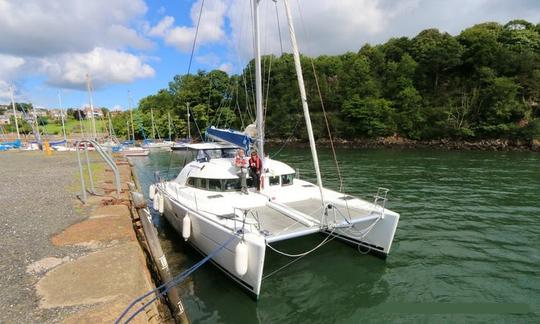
(279, 28)
(195, 38)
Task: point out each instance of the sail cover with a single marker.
(230, 136)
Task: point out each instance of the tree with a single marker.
(371, 116)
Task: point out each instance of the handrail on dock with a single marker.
(105, 156)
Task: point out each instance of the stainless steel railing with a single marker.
(105, 156)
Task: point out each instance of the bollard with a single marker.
(47, 148)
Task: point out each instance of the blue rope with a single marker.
(168, 285)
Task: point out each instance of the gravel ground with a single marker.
(35, 203)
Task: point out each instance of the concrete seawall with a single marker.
(62, 260)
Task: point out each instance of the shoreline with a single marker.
(403, 143)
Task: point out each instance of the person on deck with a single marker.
(241, 164)
(255, 167)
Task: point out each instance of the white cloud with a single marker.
(163, 27)
(9, 65)
(62, 40)
(103, 65)
(211, 28)
(226, 67)
(4, 92)
(38, 28)
(334, 27)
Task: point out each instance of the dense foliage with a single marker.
(482, 83)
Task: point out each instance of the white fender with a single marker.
(155, 205)
(152, 191)
(186, 227)
(241, 258)
(161, 206)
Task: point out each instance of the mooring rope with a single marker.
(168, 285)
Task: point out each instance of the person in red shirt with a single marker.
(241, 163)
(255, 167)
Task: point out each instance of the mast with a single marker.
(128, 128)
(62, 116)
(81, 124)
(111, 131)
(169, 118)
(14, 112)
(131, 116)
(303, 98)
(258, 81)
(36, 132)
(153, 126)
(89, 87)
(188, 126)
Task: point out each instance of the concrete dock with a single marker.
(62, 260)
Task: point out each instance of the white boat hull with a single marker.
(206, 236)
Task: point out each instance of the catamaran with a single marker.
(206, 205)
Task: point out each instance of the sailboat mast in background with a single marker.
(14, 112)
(131, 116)
(89, 87)
(62, 115)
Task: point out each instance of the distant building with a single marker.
(4, 120)
(40, 112)
(56, 113)
(9, 113)
(115, 112)
(97, 112)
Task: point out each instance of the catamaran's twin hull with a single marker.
(371, 234)
(206, 236)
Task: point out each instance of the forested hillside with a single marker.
(482, 83)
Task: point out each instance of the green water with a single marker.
(466, 249)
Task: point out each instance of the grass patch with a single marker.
(74, 127)
(97, 167)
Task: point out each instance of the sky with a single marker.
(47, 48)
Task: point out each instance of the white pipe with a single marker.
(14, 112)
(258, 82)
(303, 97)
(62, 115)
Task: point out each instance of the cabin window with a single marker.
(213, 153)
(214, 184)
(231, 184)
(199, 183)
(287, 179)
(274, 181)
(229, 153)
